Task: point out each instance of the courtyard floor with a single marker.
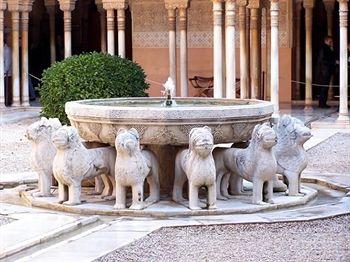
(294, 234)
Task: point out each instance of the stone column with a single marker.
(343, 23)
(255, 60)
(26, 8)
(110, 32)
(308, 5)
(217, 48)
(2, 80)
(183, 50)
(243, 48)
(102, 13)
(274, 9)
(297, 26)
(172, 42)
(329, 5)
(268, 53)
(67, 6)
(15, 8)
(51, 9)
(121, 32)
(230, 49)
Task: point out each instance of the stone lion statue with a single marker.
(133, 166)
(256, 163)
(74, 162)
(197, 165)
(43, 152)
(289, 152)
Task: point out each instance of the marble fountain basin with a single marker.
(231, 120)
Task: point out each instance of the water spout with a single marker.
(169, 88)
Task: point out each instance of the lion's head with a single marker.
(66, 137)
(292, 130)
(127, 141)
(264, 136)
(201, 141)
(42, 130)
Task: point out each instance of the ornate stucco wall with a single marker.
(150, 41)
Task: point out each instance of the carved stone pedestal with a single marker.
(166, 156)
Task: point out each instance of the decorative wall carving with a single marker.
(150, 24)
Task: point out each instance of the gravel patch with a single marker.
(14, 147)
(321, 240)
(5, 220)
(331, 156)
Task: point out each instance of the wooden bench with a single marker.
(205, 86)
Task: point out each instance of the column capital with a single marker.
(115, 4)
(173, 4)
(329, 4)
(254, 4)
(343, 4)
(343, 13)
(49, 3)
(3, 5)
(67, 5)
(242, 2)
(27, 5)
(230, 9)
(14, 5)
(309, 3)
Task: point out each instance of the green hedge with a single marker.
(88, 76)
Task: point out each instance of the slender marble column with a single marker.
(343, 22)
(308, 5)
(243, 50)
(15, 58)
(268, 53)
(329, 5)
(218, 56)
(67, 17)
(274, 9)
(121, 32)
(102, 13)
(110, 32)
(183, 51)
(230, 49)
(172, 45)
(25, 59)
(255, 69)
(51, 9)
(297, 25)
(2, 79)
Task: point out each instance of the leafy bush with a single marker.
(89, 76)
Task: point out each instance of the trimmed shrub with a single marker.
(89, 76)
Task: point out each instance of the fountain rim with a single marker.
(82, 109)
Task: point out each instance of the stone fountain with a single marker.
(164, 124)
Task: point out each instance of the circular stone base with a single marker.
(94, 205)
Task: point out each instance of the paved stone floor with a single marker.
(322, 240)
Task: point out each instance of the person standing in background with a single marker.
(326, 64)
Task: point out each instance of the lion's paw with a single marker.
(194, 207)
(108, 198)
(152, 199)
(119, 206)
(262, 203)
(137, 206)
(212, 207)
(39, 194)
(71, 203)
